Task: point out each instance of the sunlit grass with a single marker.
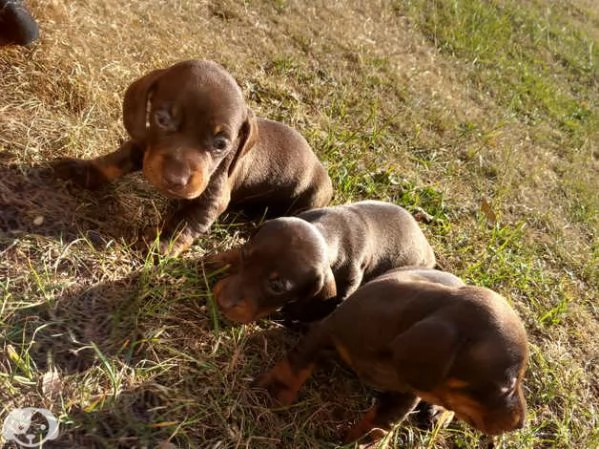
(479, 117)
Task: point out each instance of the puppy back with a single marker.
(394, 236)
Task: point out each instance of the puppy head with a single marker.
(284, 260)
(489, 399)
(191, 117)
(468, 363)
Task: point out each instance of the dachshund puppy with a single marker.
(420, 335)
(309, 263)
(197, 141)
(17, 26)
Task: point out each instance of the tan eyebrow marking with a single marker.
(456, 383)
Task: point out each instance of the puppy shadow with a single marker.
(122, 422)
(111, 344)
(34, 201)
(114, 319)
(86, 323)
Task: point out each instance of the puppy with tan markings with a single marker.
(309, 263)
(420, 335)
(197, 141)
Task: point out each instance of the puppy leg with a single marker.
(351, 281)
(389, 409)
(297, 313)
(428, 416)
(284, 381)
(192, 218)
(95, 173)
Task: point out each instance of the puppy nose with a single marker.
(226, 301)
(221, 292)
(175, 172)
(175, 178)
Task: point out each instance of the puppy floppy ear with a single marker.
(327, 288)
(248, 134)
(135, 105)
(425, 353)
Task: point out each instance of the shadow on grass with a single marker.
(146, 363)
(142, 369)
(87, 324)
(108, 342)
(34, 201)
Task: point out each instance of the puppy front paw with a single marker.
(365, 430)
(429, 416)
(368, 436)
(281, 383)
(82, 173)
(163, 244)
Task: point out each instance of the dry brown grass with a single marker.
(142, 356)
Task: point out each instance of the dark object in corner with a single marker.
(17, 25)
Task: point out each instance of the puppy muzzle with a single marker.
(173, 177)
(231, 304)
(495, 423)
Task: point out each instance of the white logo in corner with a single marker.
(30, 426)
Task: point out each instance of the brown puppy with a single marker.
(412, 338)
(309, 263)
(197, 141)
(17, 25)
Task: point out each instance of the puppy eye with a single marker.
(277, 286)
(164, 120)
(461, 389)
(220, 143)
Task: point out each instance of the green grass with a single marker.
(479, 117)
(535, 61)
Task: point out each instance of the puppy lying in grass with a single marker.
(420, 334)
(309, 263)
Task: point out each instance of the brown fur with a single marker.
(17, 25)
(204, 147)
(422, 334)
(317, 259)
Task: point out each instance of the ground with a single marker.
(479, 115)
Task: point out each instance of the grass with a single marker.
(479, 116)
